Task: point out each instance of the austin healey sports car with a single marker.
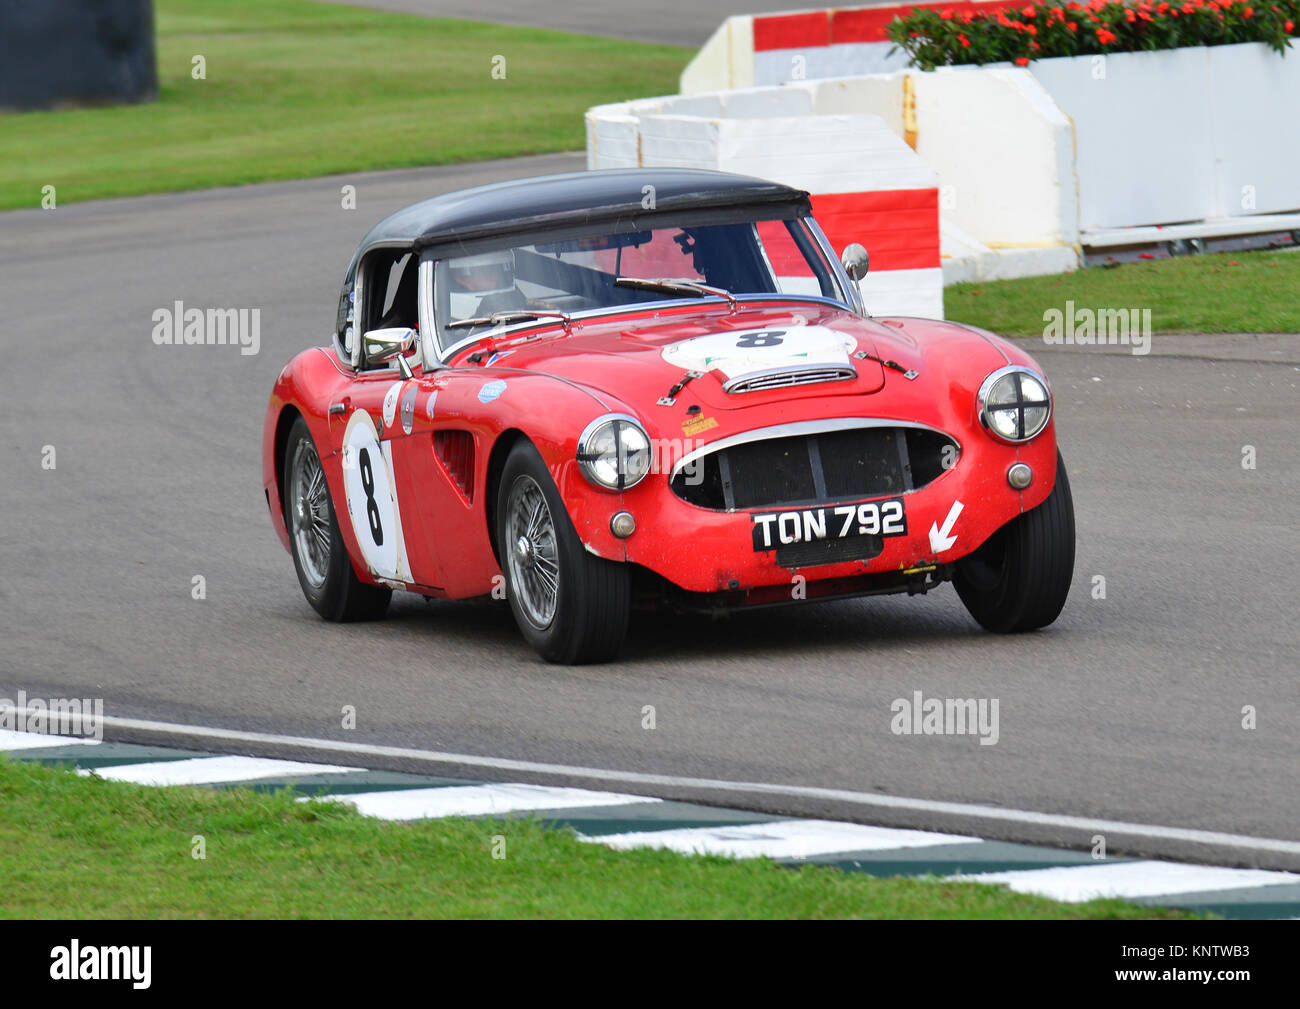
(566, 393)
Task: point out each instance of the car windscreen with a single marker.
(577, 274)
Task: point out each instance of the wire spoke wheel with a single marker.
(570, 604)
(532, 552)
(309, 512)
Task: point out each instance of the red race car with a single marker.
(589, 391)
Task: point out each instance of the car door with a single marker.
(373, 425)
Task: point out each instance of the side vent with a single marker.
(455, 451)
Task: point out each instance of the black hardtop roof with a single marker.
(575, 198)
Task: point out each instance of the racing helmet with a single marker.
(474, 278)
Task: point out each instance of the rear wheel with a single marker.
(319, 556)
(1019, 578)
(570, 605)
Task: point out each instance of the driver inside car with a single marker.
(483, 284)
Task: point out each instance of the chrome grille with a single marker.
(814, 463)
(784, 377)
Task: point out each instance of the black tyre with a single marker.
(571, 606)
(1018, 580)
(319, 556)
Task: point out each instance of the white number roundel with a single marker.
(369, 495)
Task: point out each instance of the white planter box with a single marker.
(1180, 134)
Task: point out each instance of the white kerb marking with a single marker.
(864, 800)
(10, 740)
(212, 770)
(1130, 879)
(478, 800)
(781, 839)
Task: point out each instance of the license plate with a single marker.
(773, 530)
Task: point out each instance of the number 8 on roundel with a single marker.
(370, 500)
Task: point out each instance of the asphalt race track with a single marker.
(1128, 708)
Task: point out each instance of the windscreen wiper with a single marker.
(676, 285)
(514, 315)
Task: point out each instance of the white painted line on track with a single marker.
(1129, 879)
(780, 839)
(211, 770)
(867, 800)
(477, 800)
(10, 740)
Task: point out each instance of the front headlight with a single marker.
(1014, 404)
(614, 452)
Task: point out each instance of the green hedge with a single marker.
(975, 33)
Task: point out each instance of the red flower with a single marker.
(1031, 29)
(1035, 46)
(965, 42)
(1105, 37)
(1072, 25)
(1289, 27)
(946, 14)
(1248, 12)
(1162, 8)
(1023, 61)
(1130, 15)
(1028, 12)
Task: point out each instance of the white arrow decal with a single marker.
(939, 538)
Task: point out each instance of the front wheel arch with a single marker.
(496, 464)
(283, 426)
(1019, 578)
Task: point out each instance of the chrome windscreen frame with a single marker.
(438, 354)
(847, 285)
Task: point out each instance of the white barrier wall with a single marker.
(999, 149)
(1004, 154)
(1159, 137)
(1182, 134)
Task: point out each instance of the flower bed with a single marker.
(980, 33)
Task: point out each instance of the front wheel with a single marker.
(1019, 578)
(570, 605)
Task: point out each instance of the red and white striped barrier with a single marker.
(868, 186)
(756, 49)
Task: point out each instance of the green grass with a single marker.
(297, 89)
(84, 848)
(1256, 292)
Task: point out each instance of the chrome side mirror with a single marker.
(390, 344)
(856, 261)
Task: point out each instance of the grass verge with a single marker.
(296, 89)
(78, 847)
(1224, 293)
